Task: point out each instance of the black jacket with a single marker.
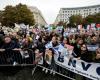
(86, 56)
(10, 45)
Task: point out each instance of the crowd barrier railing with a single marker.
(16, 56)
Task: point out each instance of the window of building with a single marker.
(89, 9)
(99, 9)
(95, 9)
(89, 13)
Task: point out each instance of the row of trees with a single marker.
(78, 19)
(16, 14)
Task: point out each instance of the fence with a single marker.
(27, 57)
(14, 57)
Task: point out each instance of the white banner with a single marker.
(89, 70)
(92, 47)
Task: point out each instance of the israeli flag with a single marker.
(57, 49)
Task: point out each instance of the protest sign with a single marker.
(92, 47)
(89, 70)
(48, 56)
(69, 48)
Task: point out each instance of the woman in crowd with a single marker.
(27, 43)
(77, 47)
(65, 41)
(9, 43)
(85, 55)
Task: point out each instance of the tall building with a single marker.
(39, 19)
(65, 13)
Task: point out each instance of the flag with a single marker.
(98, 25)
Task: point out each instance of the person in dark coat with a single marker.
(9, 55)
(85, 55)
(9, 43)
(77, 47)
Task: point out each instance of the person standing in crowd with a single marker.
(27, 43)
(85, 55)
(97, 57)
(72, 40)
(93, 45)
(2, 32)
(1, 37)
(77, 47)
(65, 41)
(9, 43)
(8, 47)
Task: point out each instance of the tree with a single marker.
(1, 12)
(61, 23)
(75, 19)
(90, 19)
(24, 15)
(8, 16)
(97, 17)
(17, 14)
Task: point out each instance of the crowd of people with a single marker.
(86, 45)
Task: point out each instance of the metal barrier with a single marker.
(15, 57)
(53, 72)
(27, 57)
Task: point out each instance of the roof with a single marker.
(93, 6)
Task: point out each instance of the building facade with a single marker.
(39, 19)
(65, 13)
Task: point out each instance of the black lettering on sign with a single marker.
(73, 62)
(85, 67)
(98, 70)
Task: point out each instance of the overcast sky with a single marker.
(50, 8)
